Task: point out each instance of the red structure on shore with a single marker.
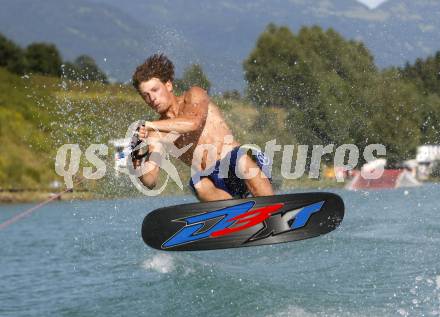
(391, 178)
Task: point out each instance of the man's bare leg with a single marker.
(206, 191)
(258, 185)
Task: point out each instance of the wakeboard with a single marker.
(242, 222)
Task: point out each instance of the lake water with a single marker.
(88, 259)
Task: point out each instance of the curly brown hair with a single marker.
(158, 66)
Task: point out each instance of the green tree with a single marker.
(318, 76)
(84, 68)
(11, 56)
(276, 71)
(70, 71)
(430, 119)
(424, 73)
(394, 117)
(192, 76)
(89, 70)
(44, 59)
(334, 93)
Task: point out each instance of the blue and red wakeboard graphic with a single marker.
(242, 222)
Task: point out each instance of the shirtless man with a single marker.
(197, 120)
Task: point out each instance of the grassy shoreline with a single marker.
(35, 196)
(40, 196)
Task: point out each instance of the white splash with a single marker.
(402, 312)
(437, 281)
(162, 263)
(292, 311)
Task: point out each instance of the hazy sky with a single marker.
(372, 3)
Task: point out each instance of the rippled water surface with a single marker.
(87, 259)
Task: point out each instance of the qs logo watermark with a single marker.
(345, 157)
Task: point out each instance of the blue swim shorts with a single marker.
(233, 184)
